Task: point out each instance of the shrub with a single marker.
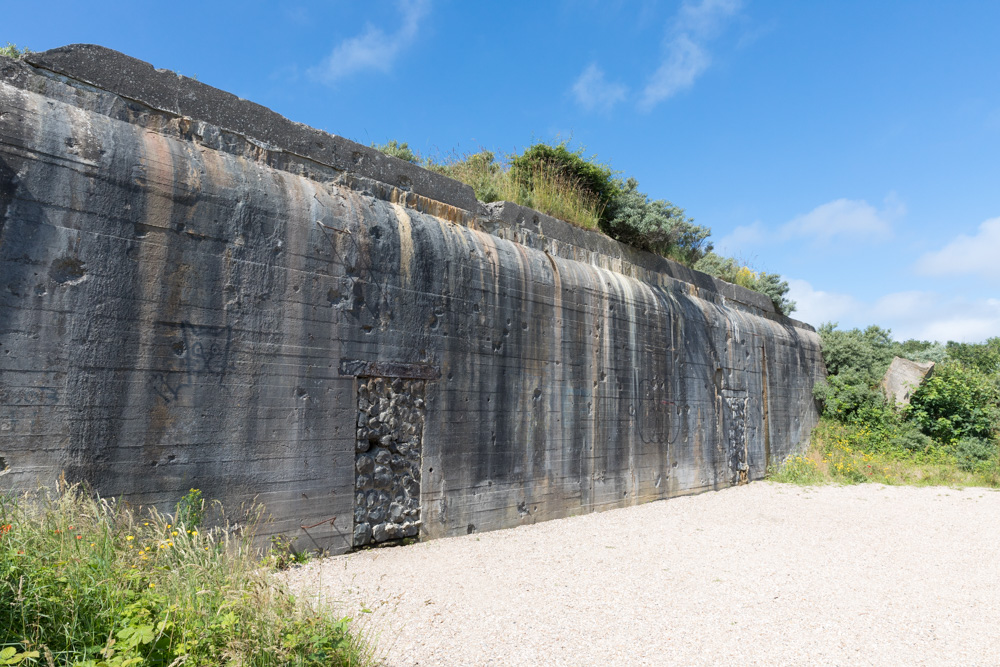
(555, 192)
(773, 287)
(481, 171)
(850, 397)
(94, 583)
(955, 402)
(190, 509)
(544, 186)
(398, 150)
(922, 350)
(984, 356)
(562, 183)
(724, 268)
(657, 226)
(769, 284)
(971, 453)
(867, 352)
(910, 439)
(593, 180)
(11, 51)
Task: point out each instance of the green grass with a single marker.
(844, 454)
(93, 582)
(12, 51)
(546, 188)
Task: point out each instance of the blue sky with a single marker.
(853, 147)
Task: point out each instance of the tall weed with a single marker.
(840, 453)
(95, 583)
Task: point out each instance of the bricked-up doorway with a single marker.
(387, 460)
(388, 448)
(734, 421)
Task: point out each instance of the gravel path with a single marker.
(763, 574)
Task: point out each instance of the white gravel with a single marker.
(765, 574)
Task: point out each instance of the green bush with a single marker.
(487, 177)
(93, 583)
(725, 268)
(190, 510)
(922, 350)
(769, 284)
(563, 183)
(12, 51)
(867, 352)
(850, 397)
(955, 402)
(543, 186)
(984, 356)
(972, 453)
(855, 361)
(398, 150)
(773, 287)
(910, 439)
(592, 179)
(654, 225)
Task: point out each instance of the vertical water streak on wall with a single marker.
(222, 293)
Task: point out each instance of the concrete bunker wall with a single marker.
(187, 303)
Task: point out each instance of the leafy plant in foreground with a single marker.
(94, 583)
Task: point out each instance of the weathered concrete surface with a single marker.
(903, 378)
(193, 290)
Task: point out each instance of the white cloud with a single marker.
(964, 329)
(910, 314)
(593, 91)
(687, 56)
(706, 17)
(905, 305)
(740, 239)
(685, 62)
(373, 49)
(941, 317)
(967, 255)
(816, 307)
(846, 217)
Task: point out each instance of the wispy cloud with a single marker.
(967, 255)
(741, 239)
(687, 56)
(593, 91)
(374, 49)
(848, 220)
(909, 314)
(854, 218)
(818, 306)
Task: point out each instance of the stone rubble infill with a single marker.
(387, 463)
(764, 574)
